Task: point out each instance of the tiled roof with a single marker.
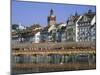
(27, 32)
(88, 15)
(30, 33)
(73, 19)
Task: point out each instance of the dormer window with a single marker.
(85, 18)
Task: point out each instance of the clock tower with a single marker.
(51, 18)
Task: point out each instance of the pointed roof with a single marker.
(89, 15)
(51, 12)
(76, 14)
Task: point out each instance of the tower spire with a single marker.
(76, 14)
(51, 12)
(89, 11)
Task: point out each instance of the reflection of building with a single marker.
(84, 27)
(51, 18)
(43, 57)
(71, 27)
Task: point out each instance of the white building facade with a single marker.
(71, 28)
(84, 27)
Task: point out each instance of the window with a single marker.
(85, 18)
(38, 36)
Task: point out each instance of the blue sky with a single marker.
(29, 13)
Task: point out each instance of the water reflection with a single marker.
(54, 58)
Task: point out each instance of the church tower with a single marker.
(51, 18)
